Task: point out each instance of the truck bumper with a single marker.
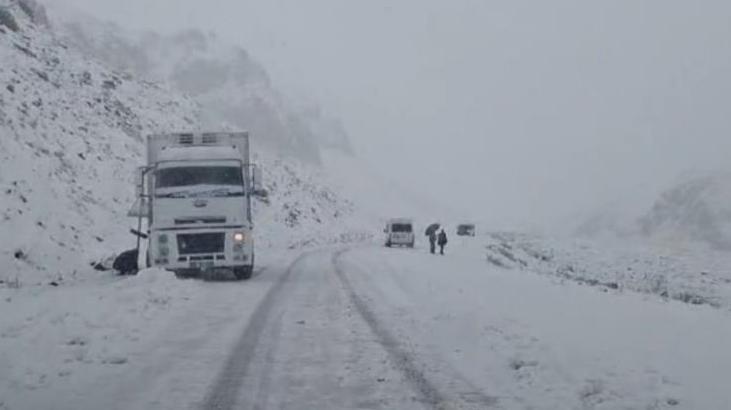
(201, 250)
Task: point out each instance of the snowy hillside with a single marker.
(697, 276)
(72, 134)
(223, 78)
(304, 210)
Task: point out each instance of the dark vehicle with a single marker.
(466, 230)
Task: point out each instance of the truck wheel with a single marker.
(243, 272)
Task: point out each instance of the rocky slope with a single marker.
(228, 83)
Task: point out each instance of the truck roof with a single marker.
(194, 146)
(198, 153)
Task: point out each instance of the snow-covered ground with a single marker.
(360, 327)
(530, 342)
(104, 342)
(692, 274)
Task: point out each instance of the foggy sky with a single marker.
(521, 111)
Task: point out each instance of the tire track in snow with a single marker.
(225, 391)
(405, 362)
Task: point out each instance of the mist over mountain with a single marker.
(694, 210)
(231, 87)
(697, 209)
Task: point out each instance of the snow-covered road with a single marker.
(368, 327)
(532, 342)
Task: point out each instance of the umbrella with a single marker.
(431, 229)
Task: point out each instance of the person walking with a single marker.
(432, 241)
(442, 241)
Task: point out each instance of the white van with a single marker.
(400, 232)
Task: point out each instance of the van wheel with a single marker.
(243, 272)
(388, 244)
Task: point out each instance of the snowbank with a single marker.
(51, 335)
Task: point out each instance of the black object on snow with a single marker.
(126, 263)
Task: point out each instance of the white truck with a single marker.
(195, 196)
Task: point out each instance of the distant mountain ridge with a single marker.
(223, 78)
(697, 209)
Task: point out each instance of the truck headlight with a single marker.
(239, 237)
(162, 239)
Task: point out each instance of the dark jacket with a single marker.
(442, 238)
(432, 237)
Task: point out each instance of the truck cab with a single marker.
(400, 232)
(196, 195)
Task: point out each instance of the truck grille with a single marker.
(201, 220)
(189, 244)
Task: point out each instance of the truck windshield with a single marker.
(401, 228)
(191, 176)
